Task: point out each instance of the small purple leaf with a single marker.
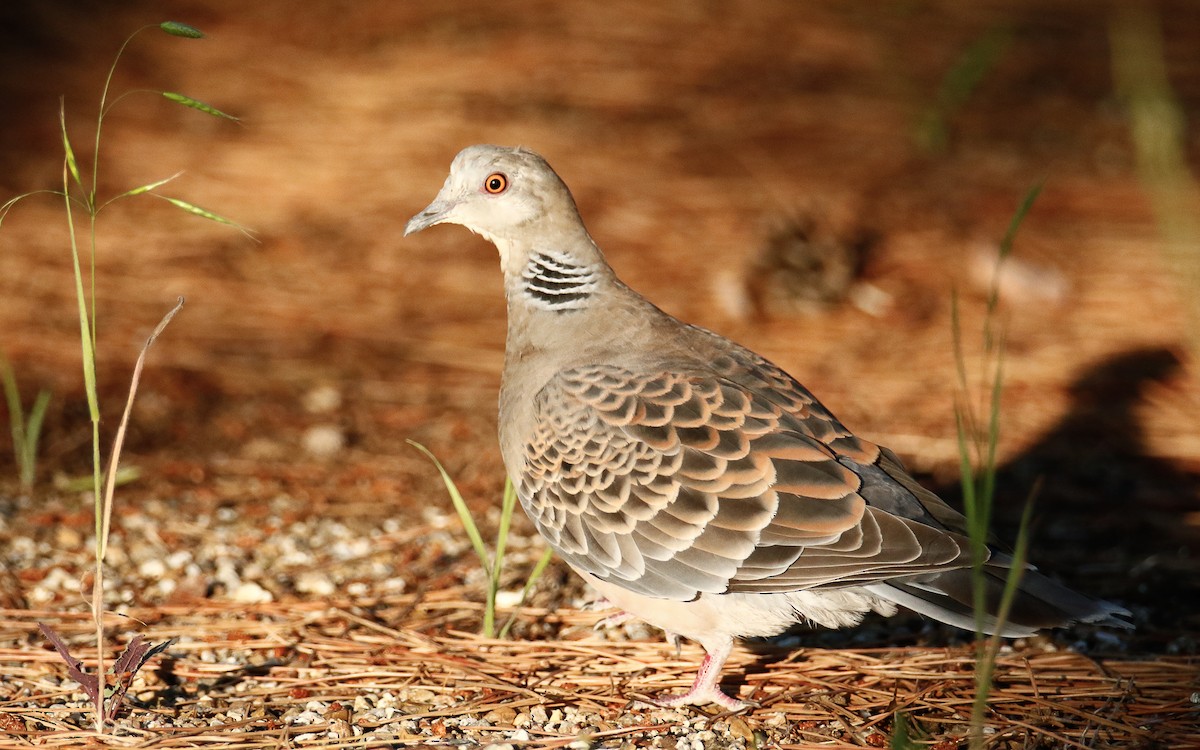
(137, 652)
(128, 660)
(89, 682)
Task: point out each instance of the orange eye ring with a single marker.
(496, 183)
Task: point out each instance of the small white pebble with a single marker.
(324, 440)
(152, 568)
(508, 599)
(249, 592)
(384, 713)
(308, 717)
(314, 582)
(55, 581)
(870, 299)
(417, 695)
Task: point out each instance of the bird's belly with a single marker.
(712, 618)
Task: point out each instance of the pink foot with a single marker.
(704, 688)
(696, 697)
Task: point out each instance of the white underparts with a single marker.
(555, 282)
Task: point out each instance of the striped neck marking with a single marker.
(556, 283)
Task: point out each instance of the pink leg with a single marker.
(704, 688)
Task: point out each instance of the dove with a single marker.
(691, 482)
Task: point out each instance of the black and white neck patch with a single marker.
(555, 282)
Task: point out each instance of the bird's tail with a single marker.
(1039, 602)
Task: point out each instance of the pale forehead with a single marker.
(481, 158)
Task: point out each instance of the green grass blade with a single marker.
(125, 475)
(962, 400)
(85, 329)
(988, 489)
(8, 206)
(1020, 555)
(144, 188)
(202, 212)
(534, 575)
(957, 85)
(460, 506)
(506, 510)
(175, 28)
(900, 739)
(66, 142)
(979, 486)
(188, 101)
(33, 433)
(1006, 245)
(16, 413)
(12, 202)
(507, 504)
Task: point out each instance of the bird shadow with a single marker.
(1108, 518)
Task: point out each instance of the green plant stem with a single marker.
(89, 379)
(534, 575)
(493, 565)
(977, 451)
(464, 516)
(507, 504)
(112, 69)
(86, 300)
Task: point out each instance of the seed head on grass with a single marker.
(79, 195)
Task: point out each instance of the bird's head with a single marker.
(502, 194)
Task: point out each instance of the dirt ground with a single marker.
(305, 556)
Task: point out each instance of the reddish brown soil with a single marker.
(688, 132)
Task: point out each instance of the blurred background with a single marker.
(817, 180)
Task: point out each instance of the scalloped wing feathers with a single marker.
(728, 479)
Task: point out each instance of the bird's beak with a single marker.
(435, 213)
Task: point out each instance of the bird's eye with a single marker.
(496, 183)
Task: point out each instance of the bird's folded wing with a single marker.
(672, 485)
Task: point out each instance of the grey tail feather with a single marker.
(1039, 603)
